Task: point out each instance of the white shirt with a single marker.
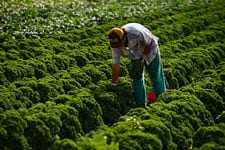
(138, 37)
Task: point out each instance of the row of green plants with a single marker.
(56, 94)
(191, 118)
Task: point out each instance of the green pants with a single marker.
(155, 71)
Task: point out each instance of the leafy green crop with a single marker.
(55, 71)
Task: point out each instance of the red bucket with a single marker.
(151, 97)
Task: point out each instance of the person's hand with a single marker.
(112, 83)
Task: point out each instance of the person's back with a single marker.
(147, 35)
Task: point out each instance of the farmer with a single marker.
(136, 42)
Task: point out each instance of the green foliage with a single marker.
(221, 118)
(5, 103)
(109, 105)
(2, 56)
(62, 62)
(90, 113)
(80, 76)
(112, 99)
(29, 94)
(186, 114)
(139, 141)
(3, 79)
(171, 81)
(95, 74)
(48, 121)
(211, 83)
(12, 131)
(13, 98)
(212, 101)
(104, 67)
(81, 60)
(14, 71)
(49, 61)
(101, 139)
(40, 69)
(192, 105)
(71, 126)
(160, 130)
(181, 72)
(155, 132)
(55, 70)
(65, 144)
(68, 83)
(211, 146)
(37, 133)
(210, 134)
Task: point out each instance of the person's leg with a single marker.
(137, 75)
(139, 92)
(155, 70)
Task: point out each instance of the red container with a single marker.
(151, 97)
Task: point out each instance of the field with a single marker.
(55, 71)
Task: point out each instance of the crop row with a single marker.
(56, 89)
(188, 115)
(65, 58)
(180, 120)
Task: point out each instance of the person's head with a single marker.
(116, 37)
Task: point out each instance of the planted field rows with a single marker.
(56, 93)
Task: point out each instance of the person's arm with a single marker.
(116, 65)
(115, 73)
